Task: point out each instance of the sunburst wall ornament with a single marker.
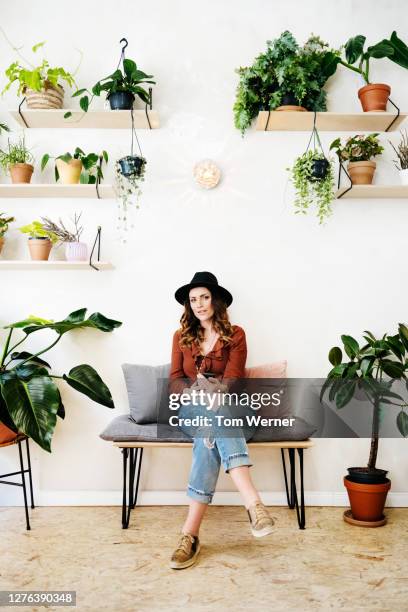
(207, 174)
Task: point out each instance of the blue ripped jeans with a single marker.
(211, 448)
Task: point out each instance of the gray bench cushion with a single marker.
(124, 429)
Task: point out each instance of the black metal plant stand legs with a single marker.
(130, 487)
(22, 471)
(291, 489)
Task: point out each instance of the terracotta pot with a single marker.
(367, 501)
(21, 173)
(1, 243)
(291, 108)
(76, 251)
(361, 172)
(374, 97)
(6, 434)
(50, 97)
(69, 172)
(39, 248)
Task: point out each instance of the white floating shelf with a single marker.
(99, 119)
(29, 264)
(373, 191)
(55, 190)
(328, 122)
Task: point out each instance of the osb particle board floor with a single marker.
(329, 566)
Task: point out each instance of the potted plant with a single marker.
(312, 177)
(286, 76)
(17, 160)
(358, 151)
(40, 240)
(30, 400)
(401, 163)
(4, 223)
(41, 84)
(371, 370)
(373, 96)
(74, 249)
(121, 88)
(129, 175)
(77, 167)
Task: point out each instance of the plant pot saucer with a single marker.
(291, 108)
(348, 517)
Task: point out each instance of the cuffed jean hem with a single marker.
(236, 460)
(200, 496)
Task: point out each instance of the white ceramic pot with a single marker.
(404, 176)
(76, 251)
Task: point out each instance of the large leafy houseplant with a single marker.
(357, 148)
(91, 171)
(127, 81)
(285, 68)
(371, 369)
(312, 189)
(30, 400)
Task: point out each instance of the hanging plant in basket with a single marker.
(312, 175)
(129, 176)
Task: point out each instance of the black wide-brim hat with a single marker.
(203, 279)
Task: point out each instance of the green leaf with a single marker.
(400, 55)
(38, 45)
(366, 365)
(402, 423)
(67, 115)
(105, 156)
(84, 103)
(5, 417)
(354, 48)
(44, 161)
(394, 369)
(86, 380)
(33, 406)
(350, 346)
(329, 64)
(33, 359)
(396, 346)
(79, 92)
(345, 393)
(96, 89)
(335, 356)
(129, 67)
(95, 321)
(29, 321)
(381, 49)
(403, 333)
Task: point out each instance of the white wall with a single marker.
(297, 286)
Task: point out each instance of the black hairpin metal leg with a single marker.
(29, 473)
(291, 490)
(130, 491)
(23, 485)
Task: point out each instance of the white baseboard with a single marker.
(179, 498)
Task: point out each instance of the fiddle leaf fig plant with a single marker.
(30, 400)
(373, 369)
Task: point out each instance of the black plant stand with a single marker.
(22, 471)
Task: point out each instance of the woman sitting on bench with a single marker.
(211, 352)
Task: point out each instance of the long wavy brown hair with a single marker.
(193, 333)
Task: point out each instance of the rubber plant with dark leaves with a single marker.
(372, 370)
(30, 400)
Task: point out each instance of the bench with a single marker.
(133, 455)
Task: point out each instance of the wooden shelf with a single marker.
(55, 190)
(373, 191)
(328, 122)
(98, 119)
(29, 264)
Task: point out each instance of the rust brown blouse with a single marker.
(226, 361)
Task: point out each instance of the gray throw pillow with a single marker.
(144, 386)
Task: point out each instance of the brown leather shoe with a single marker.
(186, 552)
(261, 523)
